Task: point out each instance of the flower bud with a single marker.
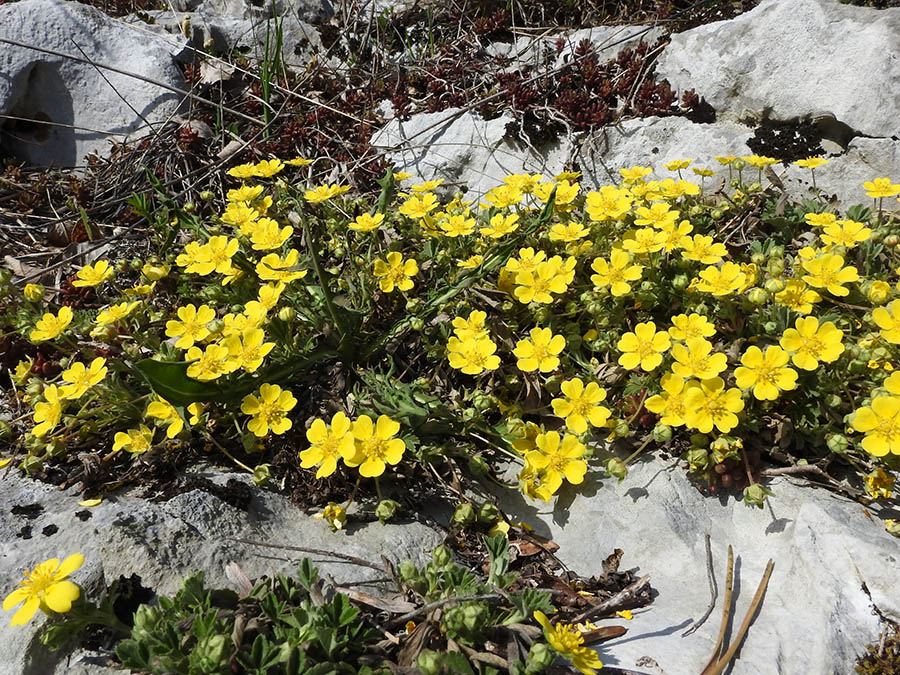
(488, 512)
(755, 495)
(189, 207)
(891, 241)
(464, 514)
(207, 195)
(478, 466)
(386, 510)
(287, 314)
(540, 656)
(32, 464)
(261, 475)
(662, 433)
(155, 271)
(407, 570)
(617, 468)
(878, 292)
(34, 292)
(698, 459)
(837, 443)
(441, 556)
(6, 430)
(757, 296)
(55, 448)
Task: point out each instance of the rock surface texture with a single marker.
(833, 565)
(789, 59)
(84, 104)
(163, 542)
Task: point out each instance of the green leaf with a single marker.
(525, 602)
(169, 380)
(307, 573)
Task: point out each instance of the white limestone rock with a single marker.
(816, 616)
(795, 59)
(99, 103)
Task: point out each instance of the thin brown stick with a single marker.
(726, 613)
(713, 591)
(722, 663)
(626, 596)
(313, 551)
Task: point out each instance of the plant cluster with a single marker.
(300, 625)
(544, 326)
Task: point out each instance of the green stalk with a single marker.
(320, 274)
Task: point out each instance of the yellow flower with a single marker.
(418, 206)
(657, 215)
(797, 296)
(581, 405)
(268, 167)
(502, 197)
(678, 164)
(888, 320)
(191, 326)
(881, 425)
(635, 173)
(725, 160)
(471, 263)
(500, 225)
(333, 514)
(323, 193)
(694, 359)
(210, 363)
(275, 268)
(565, 194)
(22, 373)
(80, 379)
(214, 256)
(367, 222)
(456, 225)
(472, 355)
(758, 161)
(48, 412)
(557, 457)
(551, 276)
(402, 175)
(242, 171)
(472, 327)
(329, 444)
(427, 186)
(395, 272)
(245, 193)
(568, 232)
(710, 405)
(879, 484)
(540, 351)
(878, 292)
(94, 275)
(247, 350)
(610, 203)
(823, 219)
(237, 214)
(569, 642)
(703, 249)
(722, 281)
(136, 441)
(846, 233)
(375, 445)
(527, 182)
(270, 235)
(811, 162)
(300, 161)
(644, 240)
(139, 289)
(49, 327)
(881, 187)
(161, 409)
(269, 411)
(670, 404)
(616, 273)
(810, 343)
(33, 292)
(45, 587)
(705, 173)
(675, 236)
(687, 326)
(644, 347)
(766, 373)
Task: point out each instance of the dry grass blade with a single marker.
(726, 613)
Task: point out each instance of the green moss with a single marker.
(882, 658)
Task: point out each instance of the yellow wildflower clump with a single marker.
(45, 588)
(395, 273)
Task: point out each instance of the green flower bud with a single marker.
(464, 514)
(189, 207)
(757, 296)
(407, 570)
(770, 327)
(34, 445)
(429, 662)
(442, 556)
(738, 165)
(662, 433)
(6, 430)
(249, 442)
(775, 267)
(774, 285)
(5, 275)
(207, 195)
(754, 187)
(386, 510)
(698, 459)
(755, 495)
(32, 464)
(892, 241)
(621, 428)
(287, 314)
(680, 282)
(261, 475)
(416, 323)
(833, 401)
(758, 258)
(837, 443)
(617, 469)
(34, 292)
(488, 513)
(478, 466)
(55, 448)
(540, 656)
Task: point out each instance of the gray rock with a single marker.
(97, 102)
(466, 150)
(816, 615)
(652, 141)
(789, 59)
(163, 542)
